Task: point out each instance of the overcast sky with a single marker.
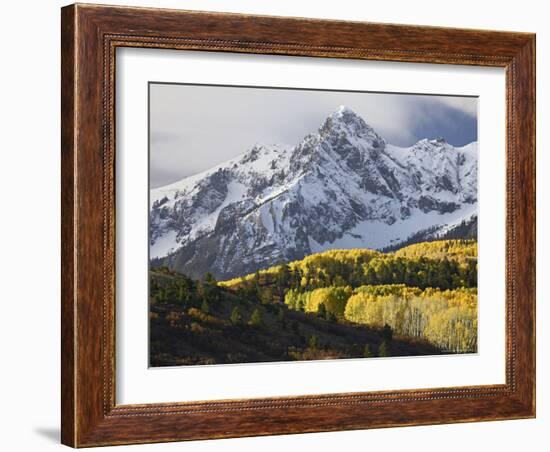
(193, 128)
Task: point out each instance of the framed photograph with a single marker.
(281, 225)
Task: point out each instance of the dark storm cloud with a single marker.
(435, 119)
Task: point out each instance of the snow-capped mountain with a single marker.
(340, 187)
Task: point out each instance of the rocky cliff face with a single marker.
(340, 187)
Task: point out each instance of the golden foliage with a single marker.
(331, 267)
(460, 250)
(426, 290)
(312, 267)
(334, 299)
(447, 318)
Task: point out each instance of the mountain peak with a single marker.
(346, 114)
(344, 110)
(345, 120)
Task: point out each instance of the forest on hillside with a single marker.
(421, 299)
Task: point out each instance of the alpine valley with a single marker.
(341, 187)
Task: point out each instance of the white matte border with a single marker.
(136, 383)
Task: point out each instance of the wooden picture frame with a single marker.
(90, 35)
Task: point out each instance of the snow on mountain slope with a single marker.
(340, 187)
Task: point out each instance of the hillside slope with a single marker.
(236, 327)
(335, 304)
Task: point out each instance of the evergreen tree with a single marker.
(256, 278)
(471, 274)
(370, 276)
(383, 350)
(323, 279)
(313, 342)
(255, 318)
(209, 279)
(283, 278)
(281, 317)
(387, 332)
(236, 317)
(208, 288)
(161, 295)
(204, 306)
(183, 295)
(295, 277)
(331, 317)
(322, 311)
(367, 352)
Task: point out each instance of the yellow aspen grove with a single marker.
(447, 318)
(425, 290)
